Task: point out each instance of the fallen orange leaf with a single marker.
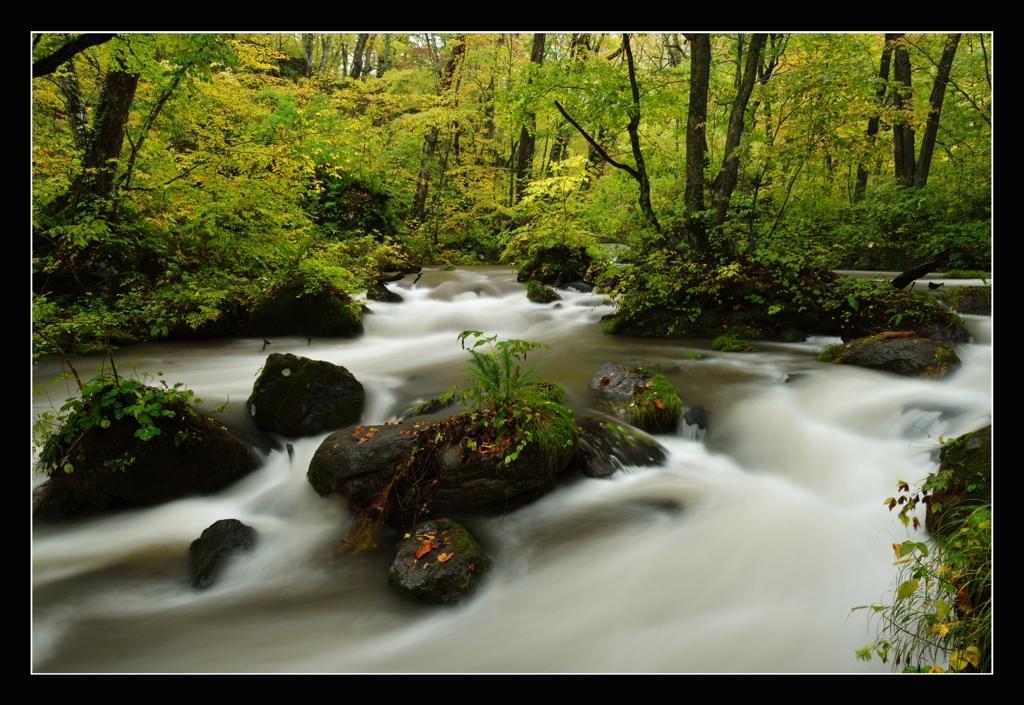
(422, 551)
(444, 557)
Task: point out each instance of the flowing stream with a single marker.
(744, 552)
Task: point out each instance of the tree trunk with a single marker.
(100, 161)
(634, 139)
(447, 75)
(357, 56)
(308, 42)
(883, 79)
(325, 51)
(931, 131)
(67, 82)
(527, 134)
(726, 180)
(903, 131)
(696, 138)
(384, 57)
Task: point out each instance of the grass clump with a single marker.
(656, 407)
(731, 342)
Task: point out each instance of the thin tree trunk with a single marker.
(527, 134)
(931, 131)
(325, 51)
(726, 180)
(903, 131)
(307, 52)
(100, 160)
(634, 139)
(78, 120)
(696, 139)
(883, 79)
(384, 58)
(357, 56)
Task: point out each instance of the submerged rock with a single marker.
(606, 447)
(210, 552)
(903, 353)
(439, 562)
(296, 396)
(614, 378)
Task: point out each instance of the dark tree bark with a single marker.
(726, 180)
(528, 132)
(696, 138)
(357, 56)
(931, 131)
(100, 160)
(51, 63)
(443, 86)
(902, 131)
(883, 77)
(920, 270)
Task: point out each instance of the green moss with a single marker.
(656, 407)
(967, 274)
(691, 356)
(731, 343)
(540, 294)
(832, 353)
(291, 310)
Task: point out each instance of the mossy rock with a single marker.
(656, 407)
(440, 563)
(556, 265)
(430, 406)
(605, 447)
(900, 352)
(290, 310)
(114, 469)
(296, 396)
(540, 294)
(617, 379)
(731, 343)
(210, 552)
(970, 299)
(965, 481)
(379, 292)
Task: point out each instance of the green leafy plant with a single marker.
(656, 406)
(941, 612)
(104, 400)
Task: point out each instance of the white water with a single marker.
(782, 528)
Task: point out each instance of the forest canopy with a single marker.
(181, 179)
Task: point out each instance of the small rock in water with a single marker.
(215, 546)
(439, 562)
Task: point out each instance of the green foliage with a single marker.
(656, 406)
(494, 374)
(106, 399)
(732, 342)
(967, 274)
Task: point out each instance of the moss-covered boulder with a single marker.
(619, 380)
(903, 353)
(209, 553)
(291, 310)
(556, 265)
(655, 407)
(379, 292)
(540, 294)
(109, 466)
(395, 473)
(962, 483)
(970, 299)
(439, 563)
(296, 396)
(606, 447)
(732, 341)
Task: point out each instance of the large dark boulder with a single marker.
(114, 469)
(379, 292)
(358, 463)
(614, 378)
(903, 353)
(209, 553)
(439, 563)
(296, 396)
(965, 479)
(446, 467)
(970, 299)
(606, 447)
(290, 310)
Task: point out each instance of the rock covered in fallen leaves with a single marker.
(614, 378)
(606, 447)
(215, 546)
(358, 463)
(439, 562)
(296, 396)
(903, 353)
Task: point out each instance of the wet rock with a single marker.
(211, 551)
(903, 353)
(430, 406)
(439, 563)
(289, 310)
(114, 469)
(540, 294)
(975, 300)
(697, 416)
(966, 471)
(614, 378)
(581, 287)
(606, 447)
(296, 396)
(358, 463)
